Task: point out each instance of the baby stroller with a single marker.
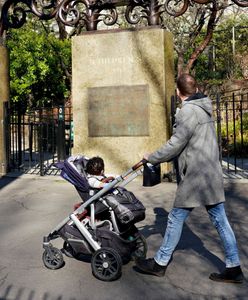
(103, 226)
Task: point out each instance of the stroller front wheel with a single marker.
(106, 264)
(52, 258)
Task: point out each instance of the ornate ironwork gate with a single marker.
(36, 139)
(88, 13)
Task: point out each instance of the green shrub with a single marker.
(240, 134)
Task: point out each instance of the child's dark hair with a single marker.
(95, 166)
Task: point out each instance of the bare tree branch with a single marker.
(198, 23)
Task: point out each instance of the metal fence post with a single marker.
(7, 139)
(241, 130)
(61, 133)
(219, 126)
(19, 136)
(30, 129)
(234, 133)
(40, 143)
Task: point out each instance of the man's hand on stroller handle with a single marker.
(139, 164)
(145, 156)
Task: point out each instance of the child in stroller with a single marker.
(95, 173)
(103, 226)
(96, 177)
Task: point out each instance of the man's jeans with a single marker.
(217, 215)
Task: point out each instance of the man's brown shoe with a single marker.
(149, 266)
(229, 275)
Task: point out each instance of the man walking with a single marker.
(195, 145)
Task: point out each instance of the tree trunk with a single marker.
(2, 33)
(62, 32)
(180, 64)
(205, 42)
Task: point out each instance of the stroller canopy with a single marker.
(72, 170)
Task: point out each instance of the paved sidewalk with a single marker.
(31, 206)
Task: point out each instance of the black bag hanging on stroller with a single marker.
(126, 206)
(151, 175)
(126, 248)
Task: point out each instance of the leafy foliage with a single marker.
(222, 60)
(230, 43)
(203, 41)
(193, 31)
(240, 145)
(38, 61)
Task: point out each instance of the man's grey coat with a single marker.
(194, 142)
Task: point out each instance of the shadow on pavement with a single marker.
(189, 240)
(23, 294)
(5, 180)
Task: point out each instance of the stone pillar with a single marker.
(4, 97)
(122, 83)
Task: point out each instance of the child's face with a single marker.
(102, 172)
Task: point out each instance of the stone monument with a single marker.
(122, 83)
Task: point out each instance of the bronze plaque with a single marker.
(118, 111)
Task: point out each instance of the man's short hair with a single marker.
(186, 85)
(95, 165)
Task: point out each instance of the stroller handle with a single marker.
(139, 164)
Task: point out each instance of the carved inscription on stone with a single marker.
(118, 111)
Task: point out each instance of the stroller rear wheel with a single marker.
(141, 248)
(106, 264)
(53, 258)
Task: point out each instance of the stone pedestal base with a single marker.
(122, 83)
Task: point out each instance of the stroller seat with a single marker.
(119, 199)
(73, 170)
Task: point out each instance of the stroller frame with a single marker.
(106, 262)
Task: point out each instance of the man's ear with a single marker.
(179, 94)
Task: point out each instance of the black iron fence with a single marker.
(38, 138)
(231, 112)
